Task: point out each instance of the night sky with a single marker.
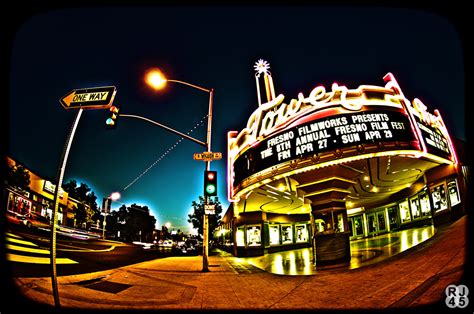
(59, 50)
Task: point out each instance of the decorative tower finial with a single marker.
(262, 66)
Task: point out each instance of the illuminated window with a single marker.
(253, 236)
(240, 237)
(340, 223)
(453, 193)
(286, 234)
(415, 207)
(301, 233)
(438, 194)
(274, 235)
(425, 203)
(404, 211)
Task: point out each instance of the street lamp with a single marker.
(106, 203)
(156, 79)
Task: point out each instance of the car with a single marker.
(189, 247)
(167, 243)
(35, 220)
(14, 218)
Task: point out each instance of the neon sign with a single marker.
(326, 122)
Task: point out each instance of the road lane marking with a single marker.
(89, 250)
(37, 260)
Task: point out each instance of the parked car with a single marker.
(167, 243)
(189, 247)
(35, 220)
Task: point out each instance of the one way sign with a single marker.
(89, 98)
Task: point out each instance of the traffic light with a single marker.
(112, 121)
(210, 183)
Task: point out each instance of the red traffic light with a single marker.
(114, 109)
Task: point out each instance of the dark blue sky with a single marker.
(215, 47)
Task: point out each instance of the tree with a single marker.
(18, 176)
(139, 222)
(132, 222)
(87, 209)
(197, 217)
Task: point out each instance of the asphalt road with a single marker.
(28, 253)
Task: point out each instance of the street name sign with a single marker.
(89, 98)
(207, 156)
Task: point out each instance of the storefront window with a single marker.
(440, 202)
(240, 237)
(415, 207)
(301, 233)
(19, 204)
(274, 235)
(404, 211)
(253, 236)
(425, 203)
(319, 225)
(453, 193)
(286, 234)
(340, 223)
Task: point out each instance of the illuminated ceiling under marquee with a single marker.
(375, 130)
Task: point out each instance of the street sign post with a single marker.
(207, 156)
(86, 98)
(89, 98)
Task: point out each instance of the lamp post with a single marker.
(157, 80)
(106, 208)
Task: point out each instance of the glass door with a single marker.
(371, 224)
(382, 226)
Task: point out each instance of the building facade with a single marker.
(39, 198)
(335, 166)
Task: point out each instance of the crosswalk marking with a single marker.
(12, 235)
(37, 260)
(15, 244)
(20, 241)
(26, 249)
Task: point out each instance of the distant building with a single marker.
(39, 198)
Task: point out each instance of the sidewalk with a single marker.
(412, 278)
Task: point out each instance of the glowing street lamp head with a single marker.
(155, 79)
(115, 196)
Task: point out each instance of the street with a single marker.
(29, 253)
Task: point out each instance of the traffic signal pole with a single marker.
(205, 246)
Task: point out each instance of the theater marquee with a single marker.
(331, 127)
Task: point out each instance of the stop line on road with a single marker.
(20, 246)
